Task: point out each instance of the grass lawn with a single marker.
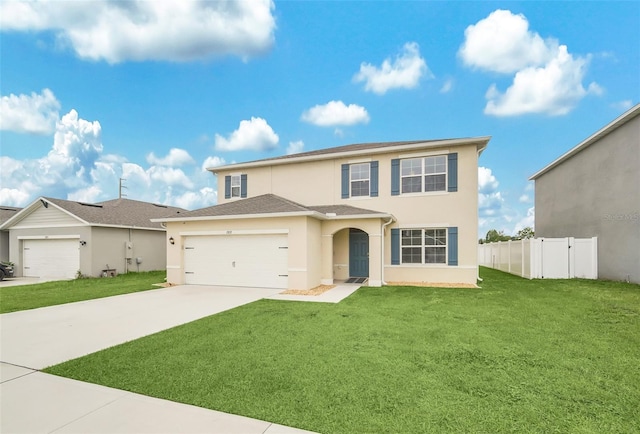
(515, 356)
(22, 297)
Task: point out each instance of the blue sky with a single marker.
(156, 91)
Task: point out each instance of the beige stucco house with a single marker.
(380, 212)
(59, 238)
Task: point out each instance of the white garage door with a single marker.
(238, 260)
(50, 258)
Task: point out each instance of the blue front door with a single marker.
(358, 253)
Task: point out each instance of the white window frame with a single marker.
(422, 173)
(423, 246)
(236, 182)
(360, 180)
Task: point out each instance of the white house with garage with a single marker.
(61, 238)
(394, 212)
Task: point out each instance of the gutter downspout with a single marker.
(391, 220)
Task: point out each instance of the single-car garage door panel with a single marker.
(50, 258)
(237, 260)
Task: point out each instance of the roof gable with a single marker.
(117, 213)
(628, 116)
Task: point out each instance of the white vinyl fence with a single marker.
(543, 258)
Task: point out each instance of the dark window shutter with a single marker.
(395, 246)
(227, 187)
(452, 245)
(243, 185)
(395, 177)
(373, 182)
(345, 181)
(453, 171)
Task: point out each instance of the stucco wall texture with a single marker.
(596, 192)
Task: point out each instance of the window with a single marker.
(423, 174)
(424, 246)
(235, 185)
(359, 181)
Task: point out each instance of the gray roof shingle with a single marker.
(6, 212)
(269, 204)
(119, 212)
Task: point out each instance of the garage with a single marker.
(51, 258)
(237, 260)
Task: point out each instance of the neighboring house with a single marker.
(386, 212)
(59, 238)
(6, 212)
(594, 191)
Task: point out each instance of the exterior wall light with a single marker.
(172, 241)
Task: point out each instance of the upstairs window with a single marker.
(235, 185)
(423, 174)
(359, 181)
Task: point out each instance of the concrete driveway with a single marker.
(32, 401)
(47, 336)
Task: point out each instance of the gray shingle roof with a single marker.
(119, 212)
(270, 204)
(360, 148)
(6, 212)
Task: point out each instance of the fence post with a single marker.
(571, 242)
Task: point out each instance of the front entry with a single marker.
(358, 253)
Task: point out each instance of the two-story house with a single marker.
(387, 212)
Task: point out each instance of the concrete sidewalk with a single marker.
(35, 402)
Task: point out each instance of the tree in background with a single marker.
(524, 233)
(494, 236)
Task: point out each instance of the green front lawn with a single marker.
(22, 297)
(515, 356)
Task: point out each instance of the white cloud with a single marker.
(502, 42)
(295, 147)
(176, 157)
(623, 105)
(524, 198)
(447, 85)
(195, 199)
(75, 168)
(254, 134)
(487, 182)
(404, 72)
(527, 221)
(554, 89)
(547, 78)
(336, 113)
(490, 200)
(173, 30)
(35, 113)
(213, 162)
(169, 176)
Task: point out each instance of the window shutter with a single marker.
(243, 185)
(227, 187)
(373, 182)
(452, 245)
(345, 181)
(453, 171)
(395, 246)
(395, 177)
